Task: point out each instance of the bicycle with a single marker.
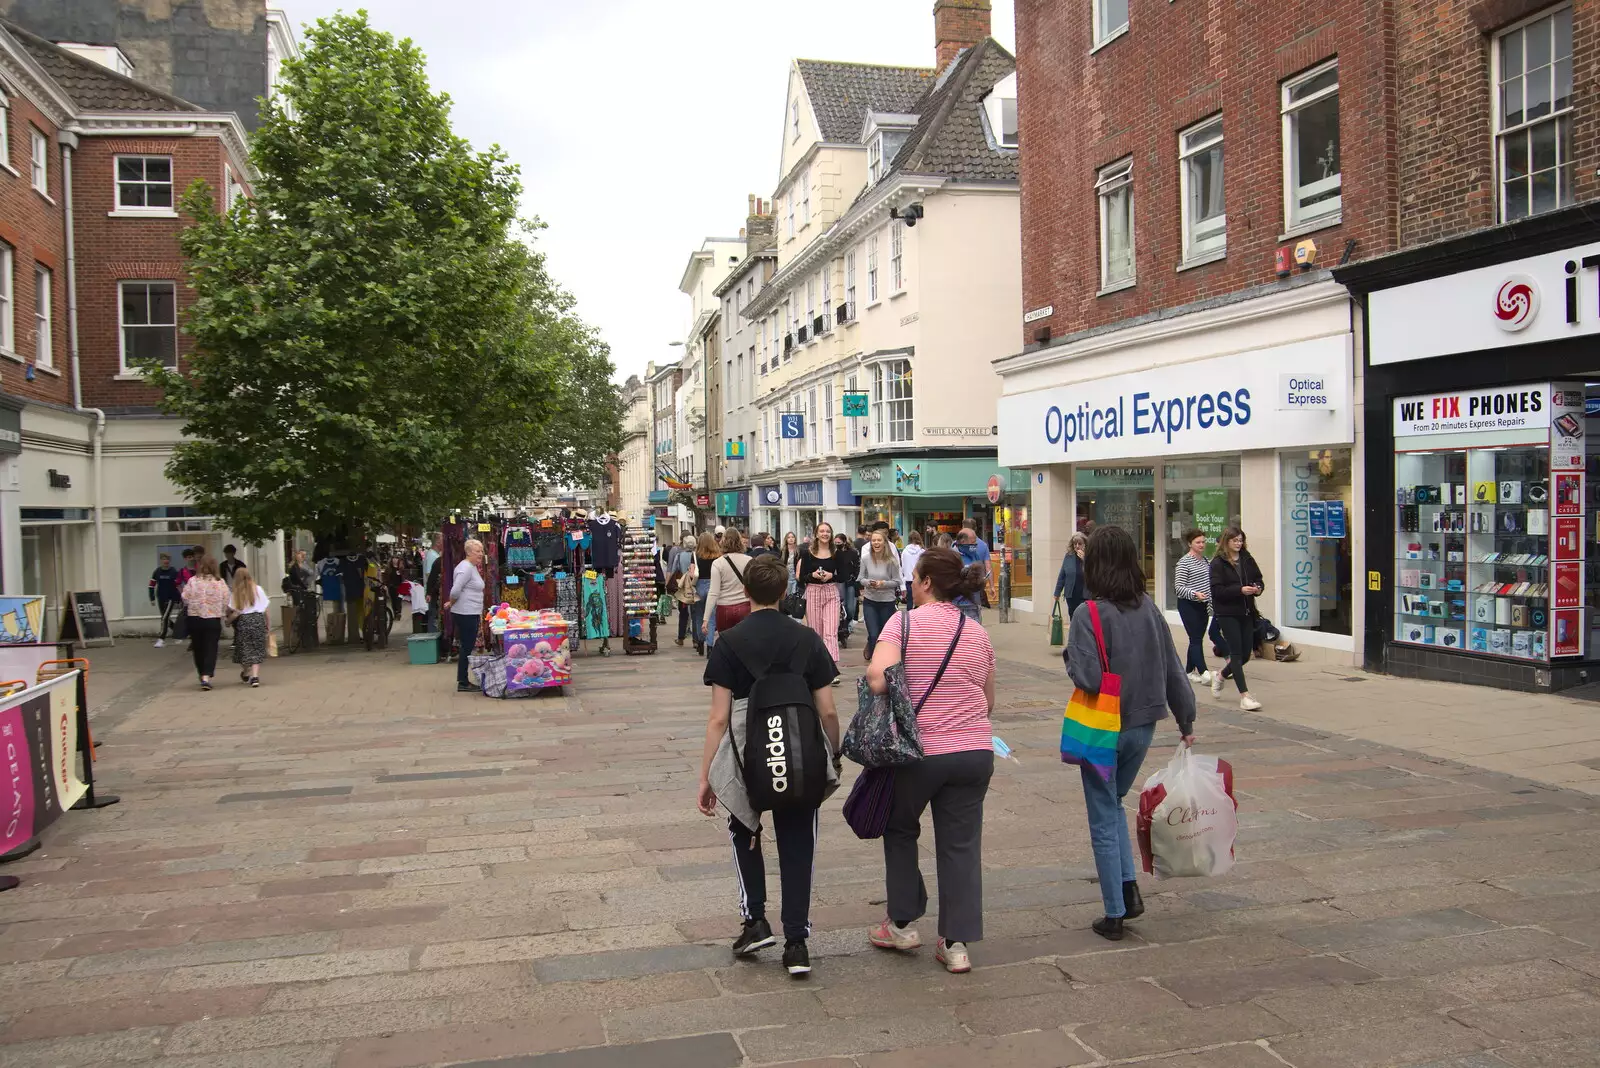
(303, 635)
(380, 617)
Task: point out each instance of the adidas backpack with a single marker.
(785, 763)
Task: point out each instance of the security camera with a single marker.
(908, 214)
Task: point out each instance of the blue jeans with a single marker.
(851, 597)
(703, 588)
(877, 615)
(466, 642)
(1108, 824)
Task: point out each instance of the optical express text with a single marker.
(1165, 417)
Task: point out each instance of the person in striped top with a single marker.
(957, 758)
(1193, 580)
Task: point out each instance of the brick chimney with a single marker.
(958, 24)
(760, 229)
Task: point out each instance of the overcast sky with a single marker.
(641, 126)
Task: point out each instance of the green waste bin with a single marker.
(424, 648)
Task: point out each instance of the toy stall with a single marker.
(534, 653)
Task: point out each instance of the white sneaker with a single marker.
(1249, 704)
(887, 936)
(160, 644)
(1195, 676)
(1216, 684)
(953, 955)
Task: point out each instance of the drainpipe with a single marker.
(69, 142)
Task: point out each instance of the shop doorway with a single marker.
(1123, 497)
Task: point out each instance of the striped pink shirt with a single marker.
(955, 717)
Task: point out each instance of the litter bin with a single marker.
(423, 648)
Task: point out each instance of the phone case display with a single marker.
(639, 590)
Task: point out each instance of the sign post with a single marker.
(84, 622)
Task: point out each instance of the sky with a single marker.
(641, 126)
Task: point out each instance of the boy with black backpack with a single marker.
(771, 746)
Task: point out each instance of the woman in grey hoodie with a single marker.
(1139, 647)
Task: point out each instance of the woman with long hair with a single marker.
(728, 601)
(908, 562)
(1192, 580)
(247, 609)
(205, 602)
(949, 673)
(706, 552)
(816, 569)
(880, 585)
(1138, 646)
(1235, 584)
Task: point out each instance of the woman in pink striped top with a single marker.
(949, 671)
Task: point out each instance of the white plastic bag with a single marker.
(1188, 817)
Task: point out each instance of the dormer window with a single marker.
(875, 159)
(1000, 112)
(884, 134)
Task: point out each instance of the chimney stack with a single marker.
(957, 24)
(760, 230)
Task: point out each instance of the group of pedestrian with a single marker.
(211, 594)
(947, 668)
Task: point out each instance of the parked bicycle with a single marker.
(380, 616)
(303, 635)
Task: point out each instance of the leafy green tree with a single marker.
(377, 339)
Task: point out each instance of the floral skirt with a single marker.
(250, 639)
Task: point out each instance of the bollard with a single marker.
(1005, 586)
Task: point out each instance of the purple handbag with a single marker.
(866, 810)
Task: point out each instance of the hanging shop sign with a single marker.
(805, 494)
(855, 405)
(733, 450)
(1474, 411)
(1523, 302)
(770, 496)
(791, 424)
(1224, 404)
(702, 500)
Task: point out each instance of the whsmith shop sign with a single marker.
(1274, 398)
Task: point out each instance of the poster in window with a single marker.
(1568, 585)
(1566, 542)
(1568, 632)
(1566, 426)
(1567, 495)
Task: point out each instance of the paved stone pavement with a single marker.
(354, 866)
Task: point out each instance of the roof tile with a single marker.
(91, 86)
(842, 93)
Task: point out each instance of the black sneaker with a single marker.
(757, 934)
(795, 958)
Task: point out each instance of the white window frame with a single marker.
(897, 265)
(8, 303)
(805, 198)
(1329, 211)
(123, 326)
(872, 270)
(794, 118)
(894, 411)
(5, 132)
(788, 212)
(43, 336)
(824, 291)
(1111, 180)
(850, 285)
(1562, 117)
(117, 182)
(811, 307)
(1202, 240)
(874, 159)
(813, 443)
(830, 446)
(1103, 32)
(39, 161)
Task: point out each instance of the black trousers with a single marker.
(1236, 635)
(796, 832)
(955, 785)
(204, 634)
(1194, 616)
(168, 609)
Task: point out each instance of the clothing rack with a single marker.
(639, 590)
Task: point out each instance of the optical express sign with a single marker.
(1271, 398)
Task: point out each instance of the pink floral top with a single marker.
(205, 598)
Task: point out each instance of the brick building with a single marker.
(93, 284)
(1174, 370)
(1479, 350)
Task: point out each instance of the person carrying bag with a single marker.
(949, 659)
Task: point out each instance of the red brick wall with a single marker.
(1180, 63)
(1446, 157)
(111, 250)
(36, 230)
(958, 24)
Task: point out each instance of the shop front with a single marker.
(1236, 417)
(805, 507)
(733, 508)
(1480, 393)
(768, 513)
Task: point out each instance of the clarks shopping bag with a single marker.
(1188, 817)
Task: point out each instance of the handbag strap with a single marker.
(1099, 637)
(948, 653)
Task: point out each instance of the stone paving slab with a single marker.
(419, 878)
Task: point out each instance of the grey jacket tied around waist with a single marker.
(728, 784)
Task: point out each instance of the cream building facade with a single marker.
(635, 475)
(898, 277)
